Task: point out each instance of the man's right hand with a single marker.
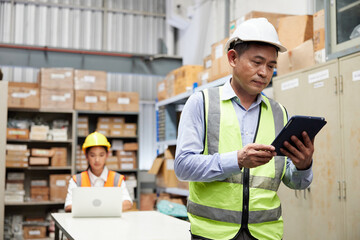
(253, 155)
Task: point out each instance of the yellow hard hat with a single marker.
(95, 139)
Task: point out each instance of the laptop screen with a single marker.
(96, 202)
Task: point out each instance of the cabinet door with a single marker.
(293, 203)
(350, 75)
(325, 210)
(313, 212)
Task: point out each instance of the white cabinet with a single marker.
(328, 209)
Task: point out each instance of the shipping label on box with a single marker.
(40, 152)
(23, 95)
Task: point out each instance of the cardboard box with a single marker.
(15, 133)
(298, 58)
(273, 18)
(56, 78)
(16, 147)
(23, 95)
(163, 168)
(90, 80)
(131, 146)
(43, 161)
(17, 164)
(60, 157)
(58, 186)
(170, 83)
(185, 78)
(34, 232)
(105, 120)
(90, 100)
(295, 30)
(39, 193)
(123, 101)
(57, 99)
(207, 62)
(39, 132)
(40, 152)
(83, 126)
(118, 120)
(161, 88)
(16, 158)
(129, 130)
(104, 126)
(220, 65)
(319, 30)
(105, 132)
(22, 153)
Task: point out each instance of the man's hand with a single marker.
(301, 155)
(253, 155)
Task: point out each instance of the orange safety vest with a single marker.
(114, 179)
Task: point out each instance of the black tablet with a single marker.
(295, 126)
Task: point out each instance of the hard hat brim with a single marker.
(279, 46)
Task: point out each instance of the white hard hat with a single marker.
(256, 30)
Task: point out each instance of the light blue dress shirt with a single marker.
(191, 165)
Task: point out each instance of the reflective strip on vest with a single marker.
(213, 128)
(230, 216)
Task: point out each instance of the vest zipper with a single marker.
(246, 177)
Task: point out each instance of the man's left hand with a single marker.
(300, 154)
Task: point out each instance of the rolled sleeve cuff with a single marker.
(229, 162)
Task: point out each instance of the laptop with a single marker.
(96, 202)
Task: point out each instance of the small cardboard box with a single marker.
(90, 80)
(57, 99)
(91, 100)
(34, 232)
(56, 78)
(20, 164)
(220, 65)
(23, 95)
(129, 130)
(163, 168)
(43, 161)
(15, 133)
(123, 101)
(60, 156)
(295, 30)
(161, 88)
(185, 78)
(298, 58)
(41, 152)
(58, 186)
(131, 146)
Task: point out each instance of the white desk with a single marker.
(138, 225)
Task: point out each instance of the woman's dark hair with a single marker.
(88, 149)
(242, 47)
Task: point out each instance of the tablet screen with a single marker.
(295, 126)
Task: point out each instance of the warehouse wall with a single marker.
(207, 26)
(136, 26)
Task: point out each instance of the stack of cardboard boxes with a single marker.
(39, 190)
(58, 186)
(17, 155)
(56, 88)
(14, 189)
(67, 89)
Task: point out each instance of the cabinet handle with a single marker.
(344, 188)
(339, 190)
(335, 86)
(341, 87)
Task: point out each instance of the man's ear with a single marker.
(232, 56)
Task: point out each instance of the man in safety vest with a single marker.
(224, 150)
(96, 149)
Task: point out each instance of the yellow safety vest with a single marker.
(219, 209)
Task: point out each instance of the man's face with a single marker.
(97, 157)
(254, 68)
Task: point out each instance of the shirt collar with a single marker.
(228, 93)
(103, 175)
